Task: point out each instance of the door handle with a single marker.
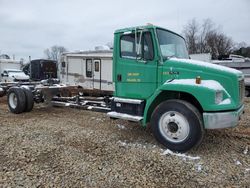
(142, 61)
(119, 77)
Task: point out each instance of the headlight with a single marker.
(218, 97)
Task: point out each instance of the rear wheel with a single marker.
(247, 93)
(16, 100)
(29, 100)
(178, 125)
(2, 92)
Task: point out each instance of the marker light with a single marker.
(198, 80)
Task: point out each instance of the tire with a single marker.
(247, 92)
(2, 93)
(29, 100)
(177, 125)
(16, 100)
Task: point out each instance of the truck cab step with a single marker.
(130, 101)
(124, 116)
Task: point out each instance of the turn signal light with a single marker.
(198, 80)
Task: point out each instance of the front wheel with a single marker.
(178, 125)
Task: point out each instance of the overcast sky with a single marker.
(27, 27)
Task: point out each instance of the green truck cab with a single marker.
(157, 84)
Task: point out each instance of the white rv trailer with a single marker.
(91, 70)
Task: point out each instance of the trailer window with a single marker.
(63, 64)
(89, 68)
(128, 49)
(97, 68)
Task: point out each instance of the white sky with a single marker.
(27, 27)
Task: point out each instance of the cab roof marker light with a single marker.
(127, 32)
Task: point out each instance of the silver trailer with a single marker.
(92, 70)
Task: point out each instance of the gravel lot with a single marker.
(62, 147)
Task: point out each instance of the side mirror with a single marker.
(4, 75)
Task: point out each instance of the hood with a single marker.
(189, 69)
(207, 66)
(18, 75)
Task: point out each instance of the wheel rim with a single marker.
(174, 126)
(13, 100)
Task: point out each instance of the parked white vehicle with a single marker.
(14, 75)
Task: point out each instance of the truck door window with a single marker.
(128, 46)
(148, 51)
(128, 49)
(89, 68)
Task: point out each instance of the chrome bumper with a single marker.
(220, 120)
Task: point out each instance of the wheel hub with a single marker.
(13, 100)
(174, 126)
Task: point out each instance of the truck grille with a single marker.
(241, 90)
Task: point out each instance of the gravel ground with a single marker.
(62, 147)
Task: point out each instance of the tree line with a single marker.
(54, 52)
(207, 37)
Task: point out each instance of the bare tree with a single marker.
(206, 30)
(224, 44)
(207, 38)
(191, 31)
(54, 52)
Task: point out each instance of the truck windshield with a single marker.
(171, 45)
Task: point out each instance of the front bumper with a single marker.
(220, 120)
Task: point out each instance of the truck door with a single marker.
(136, 67)
(97, 73)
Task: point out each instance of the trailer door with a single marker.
(97, 74)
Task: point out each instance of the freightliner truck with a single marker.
(158, 85)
